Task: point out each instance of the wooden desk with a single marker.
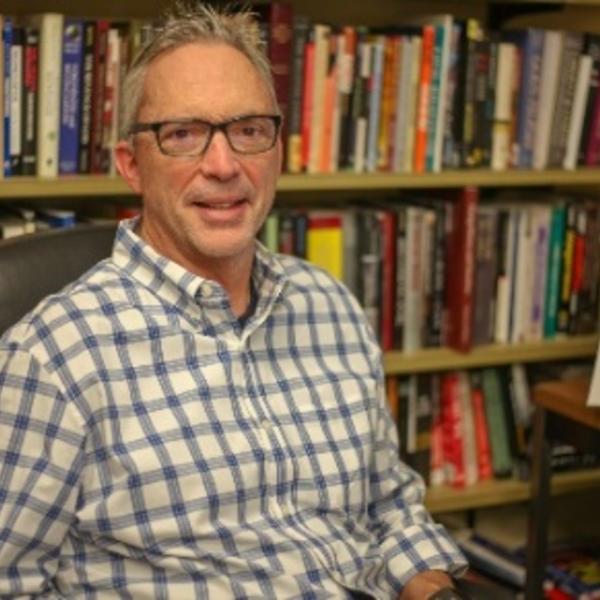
(561, 414)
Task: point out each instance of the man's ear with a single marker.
(126, 164)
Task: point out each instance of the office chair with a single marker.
(35, 265)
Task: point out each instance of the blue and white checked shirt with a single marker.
(151, 447)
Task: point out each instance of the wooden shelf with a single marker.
(505, 491)
(101, 185)
(443, 359)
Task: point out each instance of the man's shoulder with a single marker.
(87, 298)
(301, 273)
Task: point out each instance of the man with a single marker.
(194, 417)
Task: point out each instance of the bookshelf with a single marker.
(102, 185)
(505, 491)
(575, 13)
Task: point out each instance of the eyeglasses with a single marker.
(248, 134)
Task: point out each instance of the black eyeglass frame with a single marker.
(213, 128)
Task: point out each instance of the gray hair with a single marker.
(191, 23)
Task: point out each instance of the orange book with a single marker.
(330, 98)
(422, 117)
(391, 388)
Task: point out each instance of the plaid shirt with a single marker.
(152, 446)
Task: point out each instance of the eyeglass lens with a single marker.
(247, 135)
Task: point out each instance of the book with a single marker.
(530, 43)
(574, 131)
(567, 79)
(324, 242)
(30, 100)
(495, 402)
(551, 55)
(50, 26)
(87, 89)
(16, 100)
(460, 270)
(70, 115)
(300, 26)
(98, 91)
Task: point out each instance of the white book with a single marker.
(16, 99)
(522, 296)
(551, 53)
(501, 130)
(541, 216)
(50, 66)
(582, 88)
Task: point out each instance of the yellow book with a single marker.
(325, 241)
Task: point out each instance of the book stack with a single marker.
(460, 428)
(60, 92)
(449, 270)
(434, 93)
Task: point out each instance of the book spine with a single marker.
(573, 43)
(7, 29)
(435, 100)
(568, 251)
(98, 87)
(51, 28)
(460, 271)
(72, 55)
(485, 275)
(16, 101)
(346, 84)
(280, 55)
(30, 100)
(87, 84)
(422, 116)
(375, 89)
(387, 221)
(557, 234)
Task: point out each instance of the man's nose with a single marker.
(219, 160)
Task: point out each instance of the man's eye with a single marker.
(179, 133)
(250, 131)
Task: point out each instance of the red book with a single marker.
(452, 430)
(387, 223)
(98, 91)
(280, 18)
(460, 259)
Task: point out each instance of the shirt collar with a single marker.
(173, 283)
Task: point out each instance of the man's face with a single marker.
(202, 210)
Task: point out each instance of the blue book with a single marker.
(375, 105)
(7, 42)
(530, 43)
(70, 111)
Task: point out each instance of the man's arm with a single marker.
(41, 438)
(417, 551)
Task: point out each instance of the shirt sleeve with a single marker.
(41, 440)
(410, 541)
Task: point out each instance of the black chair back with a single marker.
(35, 265)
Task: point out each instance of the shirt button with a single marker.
(207, 291)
